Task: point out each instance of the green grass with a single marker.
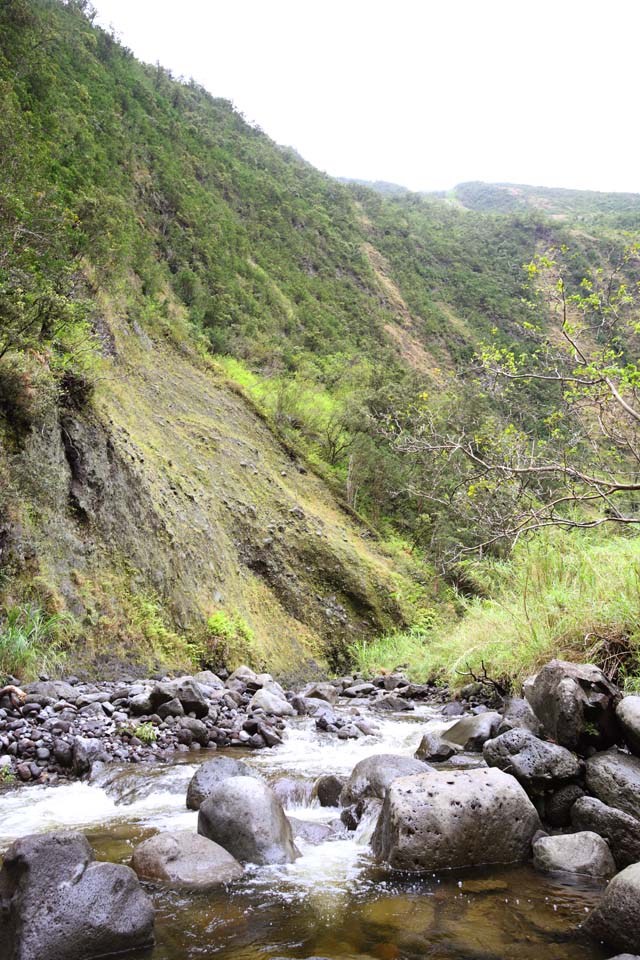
(575, 597)
(30, 642)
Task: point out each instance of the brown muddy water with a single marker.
(334, 901)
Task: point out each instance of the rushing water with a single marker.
(334, 901)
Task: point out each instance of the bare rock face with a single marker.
(372, 776)
(583, 854)
(616, 919)
(209, 774)
(535, 764)
(628, 713)
(448, 819)
(245, 817)
(614, 778)
(576, 705)
(57, 902)
(619, 829)
(185, 860)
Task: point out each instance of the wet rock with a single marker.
(271, 703)
(393, 704)
(450, 819)
(614, 778)
(453, 709)
(372, 776)
(518, 713)
(244, 816)
(535, 764)
(628, 714)
(616, 919)
(211, 773)
(359, 690)
(327, 789)
(471, 733)
(619, 829)
(292, 791)
(58, 903)
(576, 705)
(310, 830)
(185, 859)
(583, 854)
(435, 749)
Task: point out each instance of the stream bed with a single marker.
(334, 901)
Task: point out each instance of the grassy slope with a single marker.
(572, 596)
(195, 232)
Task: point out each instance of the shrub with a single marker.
(228, 643)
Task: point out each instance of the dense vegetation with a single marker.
(335, 306)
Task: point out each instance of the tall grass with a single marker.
(30, 642)
(571, 596)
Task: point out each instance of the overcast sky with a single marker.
(422, 93)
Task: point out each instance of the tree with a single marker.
(547, 436)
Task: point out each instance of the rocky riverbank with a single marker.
(55, 730)
(551, 779)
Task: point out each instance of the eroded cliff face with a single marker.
(167, 496)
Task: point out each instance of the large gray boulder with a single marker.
(209, 774)
(518, 713)
(372, 776)
(576, 705)
(327, 788)
(471, 733)
(53, 690)
(614, 778)
(445, 820)
(185, 859)
(271, 702)
(535, 764)
(434, 749)
(616, 919)
(583, 854)
(186, 690)
(619, 829)
(628, 714)
(57, 902)
(245, 817)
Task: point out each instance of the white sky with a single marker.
(422, 93)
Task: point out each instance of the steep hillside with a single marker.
(201, 337)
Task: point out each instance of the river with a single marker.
(334, 901)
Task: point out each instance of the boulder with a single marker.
(619, 829)
(471, 733)
(206, 678)
(210, 774)
(320, 691)
(584, 854)
(535, 764)
(271, 703)
(518, 713)
(244, 674)
(185, 859)
(57, 902)
(311, 830)
(359, 690)
(576, 705)
(614, 778)
(393, 704)
(628, 714)
(244, 816)
(53, 690)
(448, 819)
(372, 776)
(616, 919)
(435, 749)
(184, 689)
(86, 752)
(327, 789)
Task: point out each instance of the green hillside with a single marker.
(201, 340)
